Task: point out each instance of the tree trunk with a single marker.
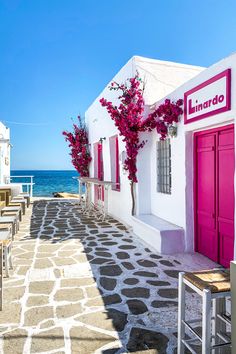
(133, 197)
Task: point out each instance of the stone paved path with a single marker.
(85, 286)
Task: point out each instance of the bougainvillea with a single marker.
(163, 117)
(127, 117)
(78, 143)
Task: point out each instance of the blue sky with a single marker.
(57, 55)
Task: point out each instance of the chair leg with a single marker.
(5, 252)
(219, 326)
(10, 257)
(215, 324)
(206, 322)
(181, 313)
(13, 230)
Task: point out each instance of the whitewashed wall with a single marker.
(160, 79)
(178, 207)
(4, 153)
(100, 125)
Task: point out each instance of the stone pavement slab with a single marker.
(84, 286)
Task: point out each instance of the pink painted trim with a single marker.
(195, 191)
(95, 162)
(226, 73)
(214, 130)
(100, 169)
(114, 140)
(117, 166)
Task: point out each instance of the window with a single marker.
(164, 166)
(114, 158)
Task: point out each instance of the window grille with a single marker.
(164, 166)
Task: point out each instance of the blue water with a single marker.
(48, 182)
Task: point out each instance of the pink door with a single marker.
(207, 239)
(98, 172)
(215, 194)
(226, 196)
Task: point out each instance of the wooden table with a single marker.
(90, 207)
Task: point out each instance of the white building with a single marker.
(5, 162)
(196, 209)
(5, 149)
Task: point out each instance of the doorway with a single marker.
(214, 194)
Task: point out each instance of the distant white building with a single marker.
(5, 153)
(188, 205)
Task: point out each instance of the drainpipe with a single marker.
(233, 304)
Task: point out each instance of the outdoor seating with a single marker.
(6, 195)
(6, 200)
(10, 220)
(5, 226)
(26, 196)
(10, 211)
(2, 204)
(13, 210)
(12, 214)
(20, 202)
(214, 288)
(100, 207)
(6, 241)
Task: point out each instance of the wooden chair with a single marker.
(214, 288)
(12, 210)
(26, 196)
(5, 195)
(19, 202)
(9, 222)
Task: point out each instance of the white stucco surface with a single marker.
(162, 80)
(178, 207)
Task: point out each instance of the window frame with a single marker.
(164, 170)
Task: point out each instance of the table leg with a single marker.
(105, 211)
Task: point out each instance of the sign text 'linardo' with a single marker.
(209, 98)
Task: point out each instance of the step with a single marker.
(164, 236)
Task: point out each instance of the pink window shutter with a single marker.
(114, 159)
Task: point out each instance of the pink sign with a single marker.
(209, 98)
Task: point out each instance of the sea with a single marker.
(48, 182)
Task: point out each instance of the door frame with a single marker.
(195, 135)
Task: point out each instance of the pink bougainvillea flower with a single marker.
(129, 120)
(78, 143)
